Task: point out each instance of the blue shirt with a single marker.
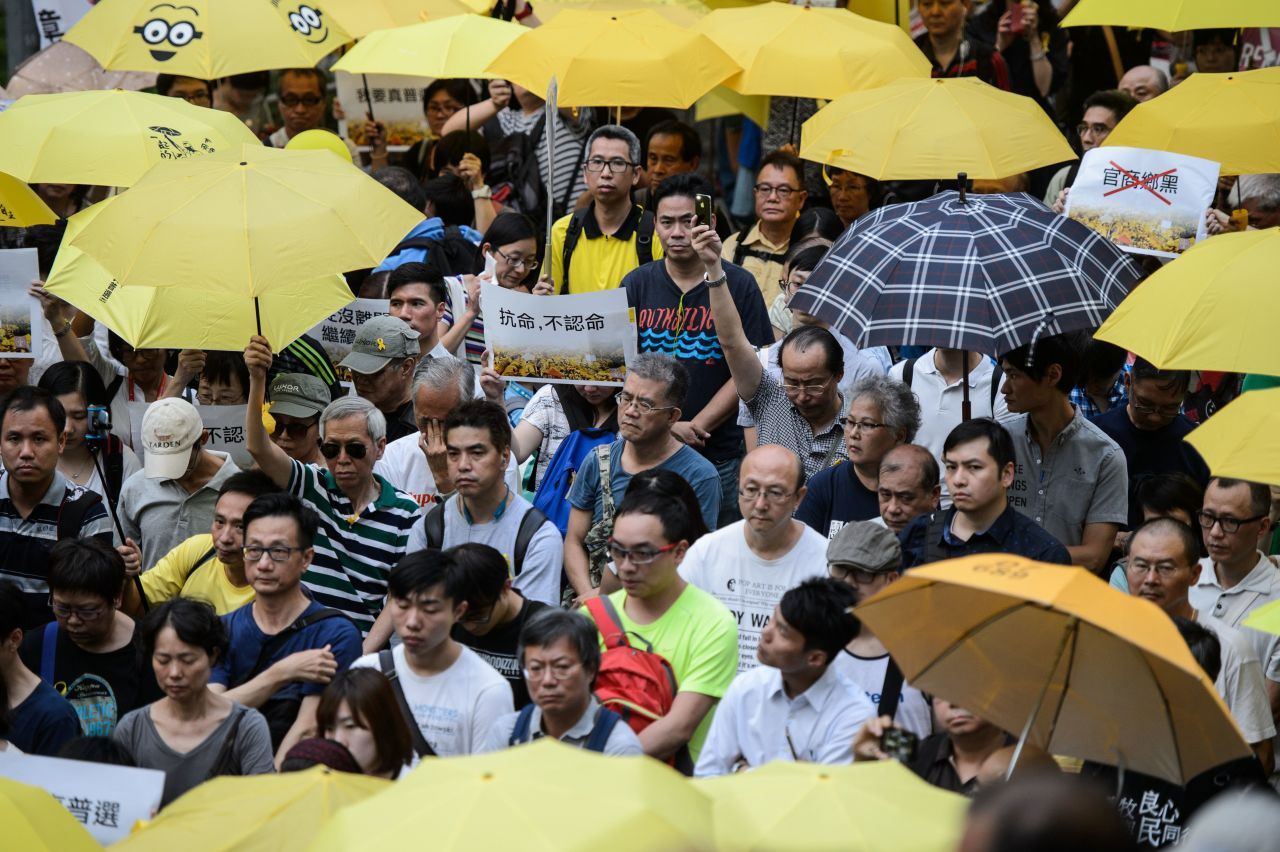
(43, 722)
(247, 639)
(432, 228)
(697, 471)
(1012, 532)
(1148, 452)
(835, 497)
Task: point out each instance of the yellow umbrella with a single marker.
(542, 796)
(811, 52)
(1051, 651)
(722, 101)
(207, 38)
(187, 317)
(1213, 308)
(1242, 441)
(361, 17)
(1175, 15)
(928, 129)
(1264, 618)
(244, 222)
(459, 46)
(258, 813)
(20, 207)
(807, 807)
(634, 58)
(683, 12)
(1233, 119)
(109, 138)
(35, 821)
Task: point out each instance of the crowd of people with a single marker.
(425, 559)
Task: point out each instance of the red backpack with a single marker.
(635, 683)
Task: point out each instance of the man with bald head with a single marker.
(1142, 83)
(748, 565)
(909, 485)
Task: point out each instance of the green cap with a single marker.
(381, 340)
(298, 395)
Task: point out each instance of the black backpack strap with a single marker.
(433, 525)
(891, 691)
(387, 664)
(934, 551)
(571, 235)
(71, 514)
(529, 526)
(520, 732)
(740, 249)
(909, 371)
(997, 373)
(644, 238)
(114, 387)
(223, 764)
(275, 642)
(605, 722)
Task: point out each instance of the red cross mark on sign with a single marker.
(1142, 182)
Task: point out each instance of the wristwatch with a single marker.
(719, 282)
(482, 192)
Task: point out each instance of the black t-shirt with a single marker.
(498, 649)
(1147, 453)
(835, 497)
(101, 687)
(679, 324)
(400, 422)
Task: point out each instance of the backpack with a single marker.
(742, 250)
(644, 240)
(601, 729)
(513, 173)
(909, 371)
(71, 513)
(552, 496)
(387, 664)
(532, 521)
(451, 254)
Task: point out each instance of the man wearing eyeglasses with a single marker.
(760, 247)
(301, 99)
(193, 90)
(593, 248)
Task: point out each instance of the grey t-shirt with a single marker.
(182, 771)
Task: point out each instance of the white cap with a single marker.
(170, 428)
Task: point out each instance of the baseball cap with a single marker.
(865, 545)
(298, 395)
(170, 428)
(378, 342)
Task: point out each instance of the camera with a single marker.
(99, 427)
(899, 744)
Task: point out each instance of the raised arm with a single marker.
(739, 354)
(499, 97)
(274, 462)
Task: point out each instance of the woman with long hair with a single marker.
(358, 709)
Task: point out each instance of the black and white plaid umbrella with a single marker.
(988, 274)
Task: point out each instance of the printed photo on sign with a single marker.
(397, 106)
(582, 339)
(338, 331)
(20, 325)
(1144, 201)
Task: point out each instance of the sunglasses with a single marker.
(295, 430)
(331, 449)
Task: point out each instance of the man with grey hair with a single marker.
(593, 248)
(418, 463)
(909, 486)
(1260, 196)
(364, 521)
(1142, 83)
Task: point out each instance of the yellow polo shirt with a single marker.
(181, 572)
(766, 272)
(599, 260)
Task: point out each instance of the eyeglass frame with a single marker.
(630, 555)
(810, 390)
(269, 552)
(1146, 408)
(1230, 525)
(600, 163)
(541, 672)
(844, 572)
(338, 449)
(782, 191)
(860, 425)
(644, 405)
(764, 492)
(86, 614)
(519, 263)
(291, 100)
(283, 428)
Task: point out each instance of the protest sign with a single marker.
(582, 339)
(107, 799)
(223, 424)
(20, 319)
(337, 332)
(1144, 201)
(55, 17)
(397, 106)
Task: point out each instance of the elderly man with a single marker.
(1163, 565)
(1260, 197)
(909, 486)
(560, 655)
(748, 565)
(1142, 83)
(301, 94)
(761, 246)
(381, 362)
(364, 521)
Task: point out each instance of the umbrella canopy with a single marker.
(207, 39)
(63, 67)
(807, 52)
(1210, 309)
(987, 273)
(457, 46)
(1232, 119)
(187, 317)
(1175, 15)
(361, 17)
(922, 129)
(632, 58)
(808, 807)
(35, 821)
(1265, 618)
(256, 813)
(1078, 667)
(109, 138)
(541, 791)
(1242, 441)
(20, 207)
(244, 222)
(683, 12)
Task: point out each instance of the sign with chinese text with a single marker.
(55, 17)
(20, 320)
(397, 105)
(1144, 201)
(338, 331)
(584, 339)
(223, 429)
(106, 799)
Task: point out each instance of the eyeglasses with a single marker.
(789, 286)
(292, 100)
(278, 553)
(1141, 407)
(355, 450)
(559, 670)
(806, 389)
(194, 97)
(446, 109)
(861, 425)
(1229, 524)
(529, 264)
(752, 493)
(1135, 569)
(859, 576)
(1096, 129)
(297, 430)
(783, 192)
(645, 406)
(617, 164)
(84, 613)
(619, 554)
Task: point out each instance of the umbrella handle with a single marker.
(962, 181)
(257, 315)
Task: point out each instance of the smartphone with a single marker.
(702, 208)
(899, 744)
(1015, 19)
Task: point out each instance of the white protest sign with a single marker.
(581, 339)
(20, 319)
(223, 424)
(1144, 201)
(337, 332)
(397, 106)
(107, 799)
(55, 17)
